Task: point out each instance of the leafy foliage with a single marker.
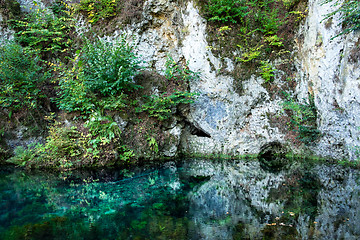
(303, 117)
(164, 105)
(21, 77)
(350, 14)
(252, 54)
(153, 144)
(102, 71)
(103, 128)
(228, 10)
(267, 71)
(181, 74)
(69, 147)
(74, 94)
(257, 30)
(246, 13)
(109, 67)
(98, 9)
(46, 32)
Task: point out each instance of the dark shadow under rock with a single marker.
(272, 156)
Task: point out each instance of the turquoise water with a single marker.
(194, 199)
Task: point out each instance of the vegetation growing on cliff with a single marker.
(21, 79)
(102, 71)
(99, 11)
(255, 33)
(50, 34)
(163, 106)
(349, 11)
(303, 119)
(96, 10)
(92, 80)
(99, 83)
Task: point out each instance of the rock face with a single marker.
(234, 123)
(330, 69)
(238, 124)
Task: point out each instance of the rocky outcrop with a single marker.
(225, 120)
(329, 68)
(233, 124)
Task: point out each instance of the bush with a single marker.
(163, 106)
(109, 67)
(20, 77)
(253, 14)
(46, 32)
(97, 144)
(228, 10)
(303, 118)
(98, 9)
(102, 71)
(74, 95)
(103, 128)
(267, 71)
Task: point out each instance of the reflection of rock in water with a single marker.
(235, 194)
(339, 200)
(216, 207)
(240, 200)
(199, 199)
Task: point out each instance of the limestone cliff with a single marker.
(224, 120)
(238, 123)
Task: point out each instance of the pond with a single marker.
(192, 199)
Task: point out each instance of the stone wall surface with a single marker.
(329, 68)
(237, 124)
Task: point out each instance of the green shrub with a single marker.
(20, 77)
(179, 73)
(103, 128)
(46, 32)
(267, 71)
(253, 14)
(257, 27)
(228, 10)
(22, 155)
(102, 71)
(303, 118)
(251, 55)
(109, 67)
(96, 143)
(164, 106)
(350, 14)
(74, 95)
(98, 9)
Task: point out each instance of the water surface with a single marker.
(193, 199)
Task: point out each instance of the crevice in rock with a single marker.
(197, 131)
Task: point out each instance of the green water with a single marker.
(194, 199)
